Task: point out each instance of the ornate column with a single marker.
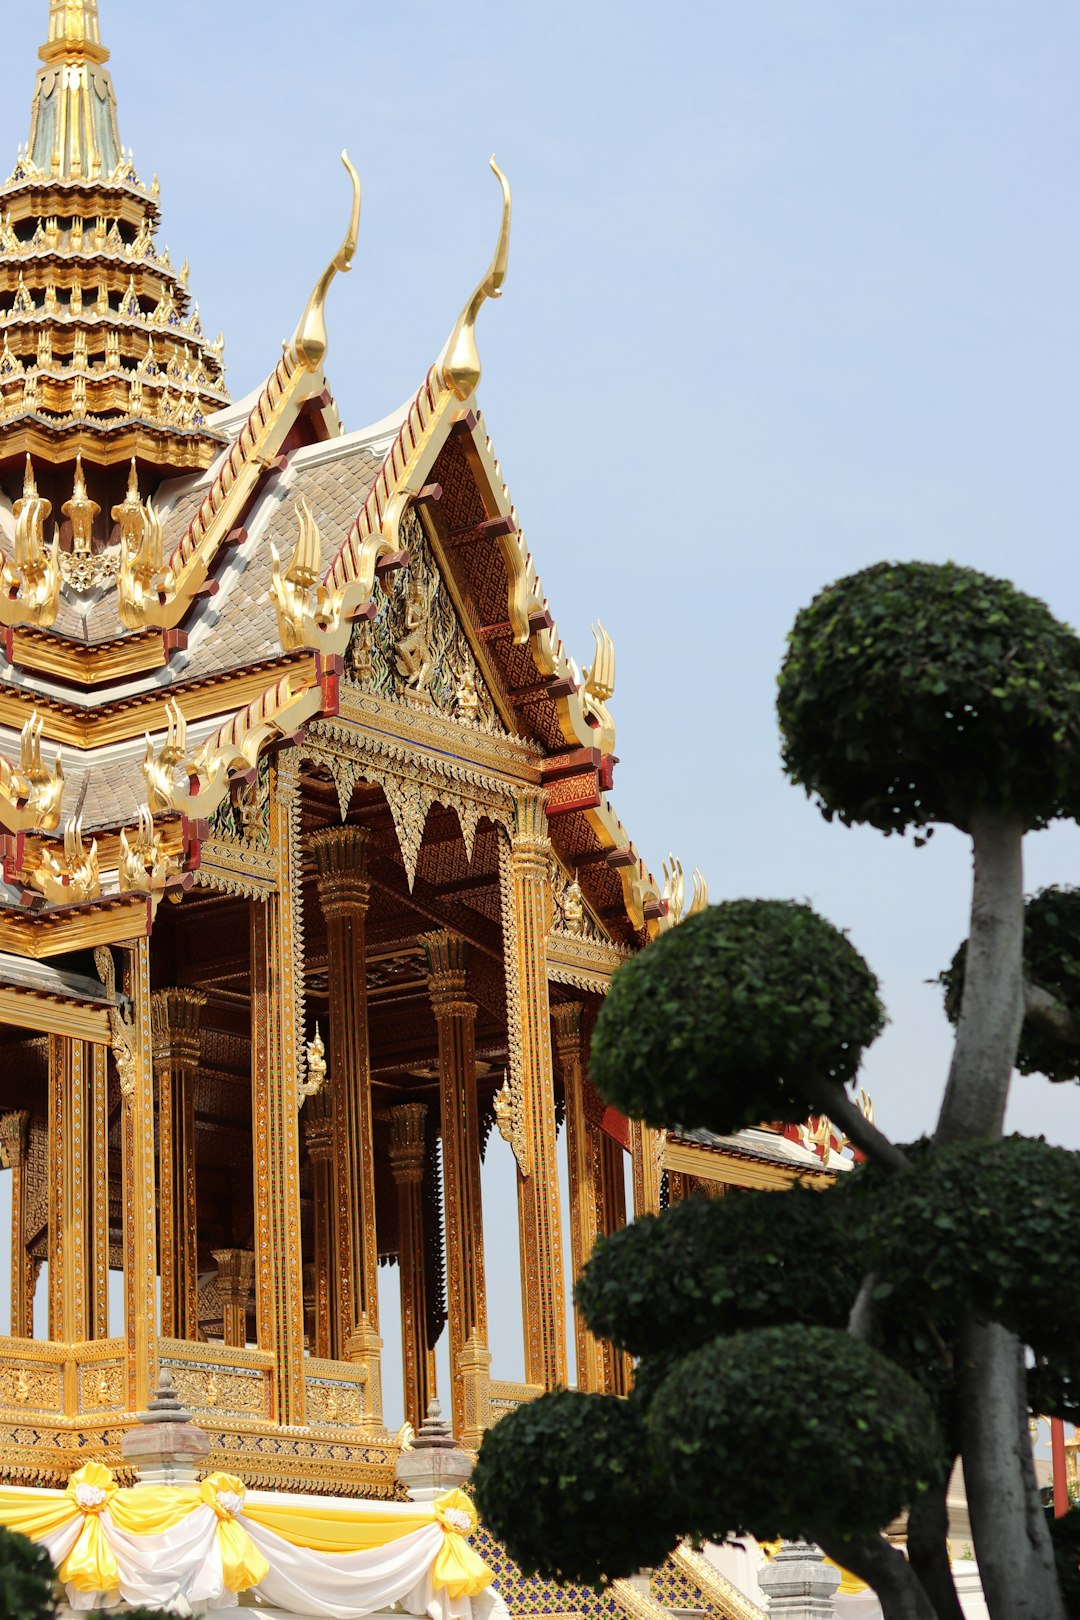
(174, 1016)
(455, 1019)
(276, 936)
(341, 865)
(13, 1129)
(236, 1275)
(99, 1192)
(526, 892)
(644, 1153)
(319, 1139)
(582, 1153)
(133, 1053)
(616, 1367)
(407, 1146)
(69, 1143)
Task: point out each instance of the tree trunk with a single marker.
(928, 1551)
(887, 1571)
(1012, 1541)
(992, 1005)
(1008, 1520)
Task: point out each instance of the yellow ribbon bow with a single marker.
(457, 1568)
(243, 1564)
(90, 1566)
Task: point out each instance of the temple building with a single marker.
(311, 879)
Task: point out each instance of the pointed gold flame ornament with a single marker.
(460, 361)
(160, 768)
(310, 340)
(599, 688)
(74, 879)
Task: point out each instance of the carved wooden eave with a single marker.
(756, 1158)
(59, 930)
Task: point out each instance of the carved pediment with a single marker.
(415, 649)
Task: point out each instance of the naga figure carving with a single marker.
(675, 891)
(141, 555)
(74, 879)
(598, 689)
(305, 609)
(31, 795)
(145, 864)
(31, 580)
(160, 769)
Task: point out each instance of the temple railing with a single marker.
(215, 1381)
(67, 1381)
(334, 1393)
(504, 1396)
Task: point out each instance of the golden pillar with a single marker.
(645, 1146)
(341, 864)
(615, 1368)
(455, 1020)
(236, 1276)
(526, 923)
(133, 1054)
(279, 1282)
(13, 1129)
(75, 1257)
(407, 1149)
(99, 1192)
(319, 1139)
(174, 1016)
(582, 1156)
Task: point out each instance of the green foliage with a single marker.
(1065, 1535)
(28, 1588)
(1051, 961)
(913, 693)
(730, 1018)
(705, 1266)
(793, 1431)
(990, 1229)
(566, 1483)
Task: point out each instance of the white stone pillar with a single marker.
(799, 1584)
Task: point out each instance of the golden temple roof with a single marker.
(103, 352)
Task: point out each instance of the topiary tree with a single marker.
(911, 695)
(28, 1589)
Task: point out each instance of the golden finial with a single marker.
(82, 511)
(29, 489)
(73, 31)
(461, 358)
(310, 341)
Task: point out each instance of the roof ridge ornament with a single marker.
(310, 340)
(459, 362)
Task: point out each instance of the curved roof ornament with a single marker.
(460, 361)
(310, 341)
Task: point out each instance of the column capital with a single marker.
(319, 1137)
(408, 1140)
(566, 1023)
(13, 1138)
(447, 957)
(175, 1016)
(341, 869)
(529, 839)
(236, 1273)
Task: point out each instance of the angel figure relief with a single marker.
(415, 659)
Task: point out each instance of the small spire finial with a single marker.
(73, 31)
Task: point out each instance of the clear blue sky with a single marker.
(793, 287)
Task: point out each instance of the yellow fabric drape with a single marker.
(335, 1530)
(243, 1564)
(35, 1515)
(458, 1567)
(91, 1565)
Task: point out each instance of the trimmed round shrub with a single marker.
(990, 1229)
(709, 1266)
(728, 1019)
(566, 1484)
(793, 1431)
(913, 693)
(28, 1589)
(1051, 961)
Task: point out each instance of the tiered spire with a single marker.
(101, 350)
